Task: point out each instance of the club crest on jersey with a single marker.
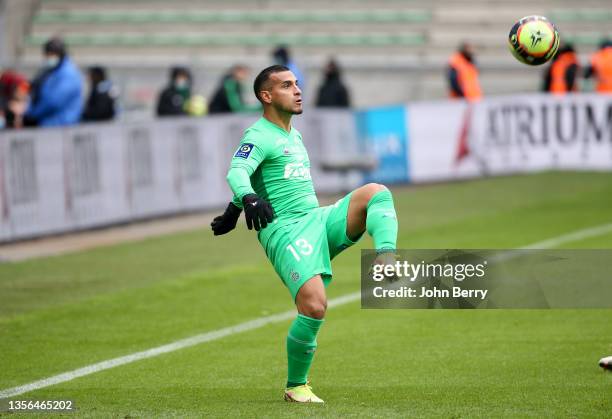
(244, 150)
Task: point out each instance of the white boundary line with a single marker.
(248, 326)
(572, 237)
(171, 347)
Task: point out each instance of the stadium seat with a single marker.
(410, 39)
(245, 39)
(298, 16)
(581, 15)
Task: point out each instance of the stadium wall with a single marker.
(512, 134)
(66, 179)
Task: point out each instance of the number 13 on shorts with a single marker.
(302, 247)
(300, 251)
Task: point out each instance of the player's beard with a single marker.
(291, 110)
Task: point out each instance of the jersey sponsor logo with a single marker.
(296, 170)
(244, 150)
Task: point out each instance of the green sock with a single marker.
(381, 220)
(301, 346)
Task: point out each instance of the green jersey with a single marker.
(278, 170)
(303, 237)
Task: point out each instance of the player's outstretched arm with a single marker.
(227, 221)
(257, 211)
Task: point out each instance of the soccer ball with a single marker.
(533, 40)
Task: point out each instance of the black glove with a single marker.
(258, 212)
(226, 222)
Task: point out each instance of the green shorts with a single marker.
(305, 246)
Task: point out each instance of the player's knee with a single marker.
(372, 189)
(315, 309)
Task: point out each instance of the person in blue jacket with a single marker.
(56, 97)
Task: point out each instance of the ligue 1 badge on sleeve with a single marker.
(244, 150)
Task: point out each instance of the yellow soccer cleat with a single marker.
(301, 394)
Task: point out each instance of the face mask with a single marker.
(181, 84)
(52, 61)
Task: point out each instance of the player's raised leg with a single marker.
(311, 304)
(371, 208)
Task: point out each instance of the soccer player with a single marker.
(270, 178)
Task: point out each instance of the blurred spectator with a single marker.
(173, 99)
(333, 92)
(100, 104)
(16, 107)
(601, 67)
(281, 55)
(14, 90)
(228, 96)
(9, 80)
(56, 97)
(463, 74)
(560, 77)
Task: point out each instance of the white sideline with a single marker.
(171, 347)
(249, 325)
(572, 237)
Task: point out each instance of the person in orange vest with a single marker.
(463, 74)
(560, 77)
(601, 67)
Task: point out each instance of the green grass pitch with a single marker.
(62, 313)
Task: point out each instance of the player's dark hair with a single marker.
(264, 76)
